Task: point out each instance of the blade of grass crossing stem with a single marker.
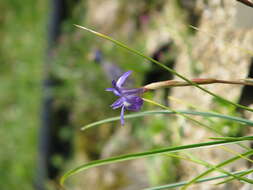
(208, 165)
(236, 153)
(231, 179)
(142, 114)
(218, 165)
(122, 158)
(163, 66)
(174, 185)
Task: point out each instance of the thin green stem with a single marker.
(199, 81)
(246, 2)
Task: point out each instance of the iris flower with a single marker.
(129, 98)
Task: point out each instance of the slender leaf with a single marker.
(189, 112)
(147, 154)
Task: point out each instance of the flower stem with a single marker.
(199, 81)
(246, 2)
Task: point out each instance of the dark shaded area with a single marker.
(247, 92)
(59, 145)
(247, 95)
(193, 15)
(60, 11)
(54, 118)
(157, 73)
(144, 15)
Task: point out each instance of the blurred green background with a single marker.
(25, 30)
(22, 49)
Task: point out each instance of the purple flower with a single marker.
(129, 97)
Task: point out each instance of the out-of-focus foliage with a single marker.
(22, 36)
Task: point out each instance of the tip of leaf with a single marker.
(83, 128)
(82, 27)
(62, 181)
(89, 30)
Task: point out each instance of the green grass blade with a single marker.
(146, 154)
(227, 138)
(217, 166)
(163, 66)
(180, 184)
(208, 165)
(189, 112)
(235, 153)
(240, 175)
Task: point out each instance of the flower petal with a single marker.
(128, 97)
(132, 91)
(114, 90)
(122, 115)
(135, 103)
(109, 89)
(114, 84)
(122, 79)
(118, 103)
